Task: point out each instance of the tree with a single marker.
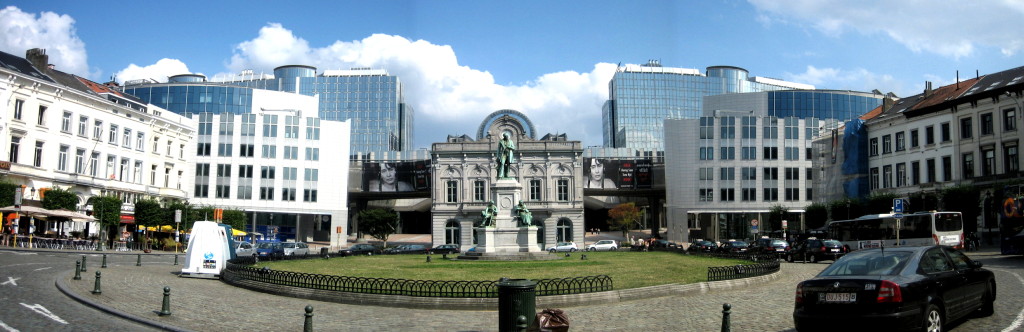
(624, 217)
(880, 203)
(186, 214)
(965, 199)
(776, 214)
(815, 215)
(7, 193)
(379, 223)
(148, 212)
(235, 218)
(107, 211)
(57, 198)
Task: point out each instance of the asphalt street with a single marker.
(31, 302)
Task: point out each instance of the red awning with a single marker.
(127, 219)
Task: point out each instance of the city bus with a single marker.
(1011, 220)
(917, 229)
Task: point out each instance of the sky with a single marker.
(461, 60)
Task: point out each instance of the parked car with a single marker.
(295, 248)
(270, 250)
(769, 246)
(564, 246)
(816, 250)
(446, 249)
(900, 288)
(244, 249)
(662, 243)
(703, 246)
(609, 245)
(734, 246)
(360, 249)
(407, 249)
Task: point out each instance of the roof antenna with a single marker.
(958, 79)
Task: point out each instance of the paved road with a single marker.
(30, 302)
(204, 305)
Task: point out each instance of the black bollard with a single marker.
(83, 264)
(428, 258)
(165, 310)
(78, 270)
(175, 259)
(307, 325)
(104, 261)
(97, 290)
(138, 261)
(521, 323)
(444, 256)
(725, 317)
(567, 255)
(583, 257)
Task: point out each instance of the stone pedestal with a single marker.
(506, 240)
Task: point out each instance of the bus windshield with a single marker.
(948, 222)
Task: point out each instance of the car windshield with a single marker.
(738, 244)
(832, 243)
(605, 242)
(266, 245)
(779, 243)
(288, 245)
(869, 262)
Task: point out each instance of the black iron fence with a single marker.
(716, 273)
(242, 268)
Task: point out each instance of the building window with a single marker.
(988, 161)
(126, 140)
(809, 153)
(749, 129)
(291, 126)
(792, 128)
(479, 193)
(748, 153)
(269, 125)
(727, 195)
(535, 190)
(705, 174)
(563, 230)
(1009, 119)
(771, 174)
(966, 128)
(706, 194)
(313, 129)
(563, 190)
(248, 125)
(1011, 156)
(968, 165)
(19, 105)
(728, 153)
(749, 194)
(311, 175)
(901, 141)
(946, 136)
(269, 151)
(929, 167)
(291, 153)
(309, 195)
(15, 145)
(913, 138)
(62, 158)
(792, 194)
(771, 153)
(452, 232)
(140, 139)
(748, 173)
(771, 194)
(915, 173)
(246, 150)
(727, 127)
(205, 124)
(810, 194)
(887, 176)
(65, 123)
(901, 174)
(41, 118)
(288, 194)
(792, 153)
(986, 124)
(452, 192)
(771, 129)
(267, 172)
(808, 173)
(94, 164)
(874, 178)
(224, 149)
(203, 149)
(37, 159)
(267, 193)
(313, 154)
(727, 174)
(112, 134)
(886, 144)
(227, 125)
(97, 130)
(929, 135)
(223, 191)
(707, 153)
(707, 128)
(873, 146)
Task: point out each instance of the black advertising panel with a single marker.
(644, 169)
(396, 176)
(627, 174)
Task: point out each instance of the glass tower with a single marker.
(371, 98)
(642, 97)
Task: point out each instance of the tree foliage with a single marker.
(148, 212)
(879, 203)
(965, 199)
(815, 215)
(776, 214)
(235, 218)
(624, 217)
(58, 198)
(378, 223)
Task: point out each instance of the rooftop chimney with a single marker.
(887, 103)
(927, 89)
(38, 58)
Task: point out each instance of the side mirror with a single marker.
(975, 264)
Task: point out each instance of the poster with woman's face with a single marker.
(396, 176)
(601, 173)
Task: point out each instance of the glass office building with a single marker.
(641, 97)
(382, 123)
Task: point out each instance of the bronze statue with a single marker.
(489, 213)
(525, 216)
(506, 148)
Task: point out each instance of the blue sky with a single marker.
(462, 60)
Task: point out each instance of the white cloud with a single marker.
(954, 29)
(158, 71)
(21, 31)
(448, 98)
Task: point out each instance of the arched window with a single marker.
(563, 232)
(452, 232)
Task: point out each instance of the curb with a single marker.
(63, 287)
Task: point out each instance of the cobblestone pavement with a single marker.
(204, 305)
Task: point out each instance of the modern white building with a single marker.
(280, 163)
(64, 131)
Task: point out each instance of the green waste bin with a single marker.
(516, 297)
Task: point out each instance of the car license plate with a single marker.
(835, 250)
(837, 297)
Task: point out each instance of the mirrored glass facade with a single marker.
(196, 98)
(642, 97)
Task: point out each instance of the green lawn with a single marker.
(627, 269)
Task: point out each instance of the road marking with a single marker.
(8, 328)
(38, 308)
(42, 268)
(1020, 315)
(10, 281)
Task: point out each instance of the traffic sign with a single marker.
(754, 223)
(897, 205)
(898, 215)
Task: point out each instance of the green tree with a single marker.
(107, 211)
(624, 217)
(379, 223)
(7, 193)
(965, 199)
(148, 212)
(776, 213)
(880, 203)
(186, 214)
(57, 198)
(235, 218)
(815, 215)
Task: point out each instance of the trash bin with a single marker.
(323, 251)
(516, 297)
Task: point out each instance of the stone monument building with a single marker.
(548, 170)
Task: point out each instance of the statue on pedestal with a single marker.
(525, 216)
(488, 214)
(506, 148)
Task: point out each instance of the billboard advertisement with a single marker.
(396, 176)
(599, 173)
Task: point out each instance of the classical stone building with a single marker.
(549, 170)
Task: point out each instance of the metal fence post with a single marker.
(307, 325)
(165, 310)
(78, 270)
(725, 317)
(175, 259)
(96, 290)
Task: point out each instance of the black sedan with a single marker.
(360, 249)
(703, 246)
(446, 249)
(903, 288)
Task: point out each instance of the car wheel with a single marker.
(572, 250)
(813, 259)
(933, 319)
(551, 250)
(988, 302)
(789, 258)
(613, 249)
